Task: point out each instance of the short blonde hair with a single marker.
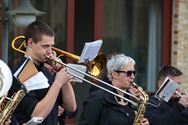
(116, 61)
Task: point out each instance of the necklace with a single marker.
(121, 101)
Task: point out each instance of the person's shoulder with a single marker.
(97, 95)
(94, 100)
(16, 84)
(18, 65)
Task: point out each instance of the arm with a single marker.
(44, 106)
(165, 114)
(183, 117)
(68, 96)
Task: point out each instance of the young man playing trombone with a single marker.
(105, 108)
(43, 103)
(173, 112)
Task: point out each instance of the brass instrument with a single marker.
(179, 94)
(7, 105)
(95, 67)
(11, 105)
(142, 106)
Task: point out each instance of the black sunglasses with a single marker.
(128, 73)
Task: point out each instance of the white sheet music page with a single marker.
(167, 89)
(90, 51)
(72, 71)
(38, 81)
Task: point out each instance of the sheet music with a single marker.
(90, 51)
(167, 89)
(38, 81)
(78, 67)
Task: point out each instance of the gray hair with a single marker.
(115, 62)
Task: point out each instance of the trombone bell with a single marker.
(98, 65)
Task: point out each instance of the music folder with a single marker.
(30, 77)
(167, 89)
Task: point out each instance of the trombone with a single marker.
(96, 67)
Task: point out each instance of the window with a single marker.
(133, 27)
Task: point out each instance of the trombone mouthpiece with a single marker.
(135, 85)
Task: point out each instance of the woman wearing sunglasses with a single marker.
(104, 108)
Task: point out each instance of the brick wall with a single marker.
(180, 38)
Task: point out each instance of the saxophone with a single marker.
(7, 105)
(142, 105)
(10, 106)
